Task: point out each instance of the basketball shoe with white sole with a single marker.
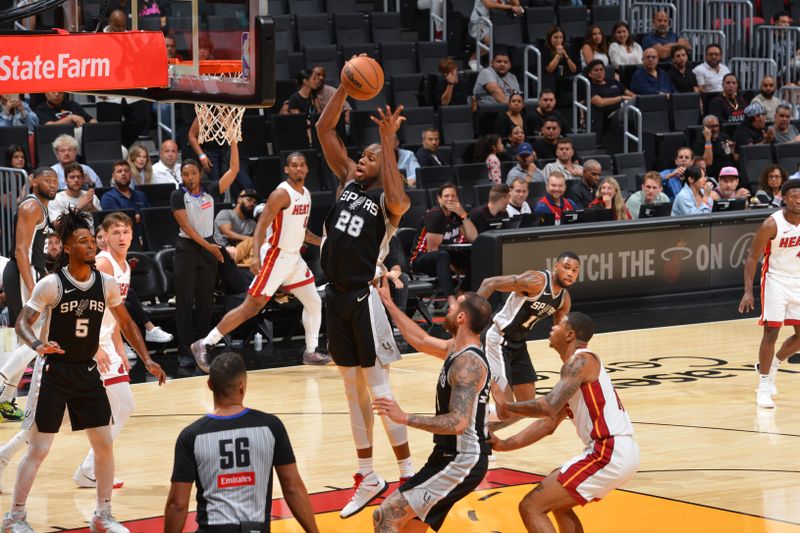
(366, 489)
(763, 396)
(773, 389)
(103, 522)
(85, 478)
(16, 524)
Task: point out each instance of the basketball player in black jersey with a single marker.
(534, 296)
(460, 455)
(370, 202)
(66, 375)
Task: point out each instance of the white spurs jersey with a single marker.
(596, 409)
(782, 254)
(288, 228)
(122, 274)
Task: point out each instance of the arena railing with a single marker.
(780, 44)
(488, 48)
(13, 185)
(735, 19)
(641, 15)
(577, 106)
(434, 18)
(526, 71)
(165, 127)
(627, 109)
(699, 39)
(751, 70)
(791, 95)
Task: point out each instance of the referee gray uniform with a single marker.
(230, 459)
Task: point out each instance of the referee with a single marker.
(230, 455)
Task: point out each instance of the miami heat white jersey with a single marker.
(782, 255)
(597, 411)
(122, 274)
(288, 228)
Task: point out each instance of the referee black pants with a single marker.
(195, 279)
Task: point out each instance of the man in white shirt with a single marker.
(167, 170)
(709, 74)
(518, 201)
(73, 195)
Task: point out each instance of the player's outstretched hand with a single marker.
(103, 361)
(49, 347)
(389, 407)
(746, 304)
(499, 401)
(389, 121)
(497, 444)
(155, 369)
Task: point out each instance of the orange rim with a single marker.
(214, 66)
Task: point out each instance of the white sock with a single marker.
(763, 378)
(213, 337)
(103, 505)
(365, 466)
(773, 368)
(406, 467)
(12, 447)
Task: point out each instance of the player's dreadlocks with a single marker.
(65, 225)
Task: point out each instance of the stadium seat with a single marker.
(481, 193)
(471, 174)
(585, 144)
(431, 177)
(289, 132)
(379, 101)
(305, 7)
(463, 151)
(538, 20)
(421, 287)
(254, 136)
(573, 20)
(363, 130)
(158, 194)
(159, 227)
(327, 56)
(429, 54)
(350, 28)
(606, 163)
(406, 89)
(486, 115)
(754, 158)
(417, 119)
(398, 58)
(15, 135)
(507, 30)
(605, 17)
(685, 110)
(321, 202)
(464, 197)
(788, 156)
(282, 71)
(659, 141)
(102, 141)
(267, 173)
(341, 6)
(45, 135)
(274, 8)
(386, 27)
(314, 29)
(630, 165)
(419, 206)
(355, 49)
(456, 123)
(284, 32)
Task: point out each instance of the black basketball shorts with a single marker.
(519, 367)
(56, 385)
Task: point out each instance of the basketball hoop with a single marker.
(219, 122)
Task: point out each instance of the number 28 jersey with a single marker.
(357, 233)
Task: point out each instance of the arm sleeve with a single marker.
(111, 290)
(284, 455)
(176, 202)
(45, 294)
(185, 465)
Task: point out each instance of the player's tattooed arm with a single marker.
(530, 282)
(572, 377)
(392, 515)
(466, 376)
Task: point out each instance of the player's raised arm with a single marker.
(278, 200)
(530, 282)
(233, 169)
(395, 197)
(332, 146)
(533, 433)
(766, 232)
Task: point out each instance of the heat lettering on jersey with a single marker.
(789, 242)
(123, 290)
(301, 209)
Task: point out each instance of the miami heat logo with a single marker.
(81, 307)
(358, 203)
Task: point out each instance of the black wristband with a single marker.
(35, 344)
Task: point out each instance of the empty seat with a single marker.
(538, 20)
(456, 121)
(341, 6)
(685, 110)
(160, 228)
(605, 17)
(268, 173)
(630, 165)
(398, 58)
(364, 131)
(371, 49)
(431, 177)
(386, 27)
(14, 135)
(429, 54)
(754, 158)
(507, 30)
(660, 142)
(380, 100)
(313, 30)
(788, 156)
(289, 132)
(350, 28)
(275, 8)
(406, 89)
(45, 135)
(573, 20)
(486, 116)
(104, 168)
(584, 143)
(284, 32)
(326, 56)
(158, 194)
(417, 120)
(102, 141)
(470, 174)
(463, 151)
(305, 7)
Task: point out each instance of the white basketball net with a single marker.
(220, 123)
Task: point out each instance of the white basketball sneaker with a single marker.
(103, 522)
(366, 489)
(85, 478)
(158, 335)
(763, 396)
(773, 389)
(16, 524)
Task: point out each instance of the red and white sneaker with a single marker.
(365, 490)
(85, 478)
(103, 522)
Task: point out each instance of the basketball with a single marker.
(362, 78)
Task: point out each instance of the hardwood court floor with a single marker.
(711, 460)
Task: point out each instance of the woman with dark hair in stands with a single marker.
(594, 47)
(556, 60)
(769, 186)
(487, 150)
(450, 90)
(15, 158)
(514, 116)
(515, 138)
(623, 50)
(302, 101)
(609, 196)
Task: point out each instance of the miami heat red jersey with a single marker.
(782, 254)
(288, 229)
(597, 411)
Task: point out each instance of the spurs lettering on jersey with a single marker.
(79, 306)
(355, 200)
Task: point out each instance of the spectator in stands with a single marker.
(487, 149)
(728, 186)
(607, 97)
(325, 92)
(651, 193)
(232, 226)
(518, 199)
(447, 223)
(205, 47)
(121, 196)
(167, 170)
(557, 61)
(673, 177)
(717, 148)
(710, 74)
(491, 214)
(73, 195)
(428, 153)
(15, 111)
(594, 47)
(515, 139)
(766, 97)
(303, 100)
(406, 162)
(729, 106)
(649, 79)
(769, 186)
(609, 196)
(497, 83)
(661, 39)
(565, 161)
(545, 147)
(15, 158)
(526, 168)
(679, 74)
(479, 30)
(553, 204)
(141, 166)
(57, 110)
(695, 197)
(450, 90)
(783, 129)
(546, 108)
(117, 21)
(623, 50)
(66, 149)
(583, 192)
(172, 47)
(514, 116)
(753, 129)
